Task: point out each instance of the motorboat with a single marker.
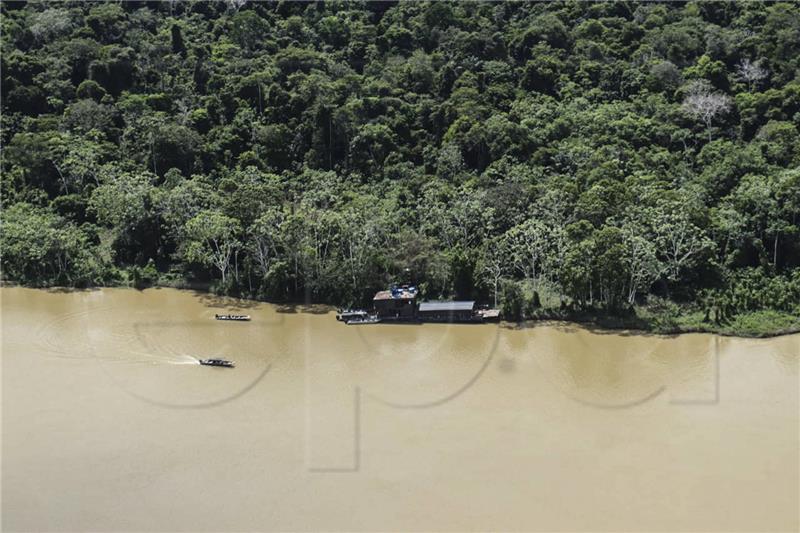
(217, 362)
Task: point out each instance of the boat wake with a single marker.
(139, 357)
(99, 333)
(185, 360)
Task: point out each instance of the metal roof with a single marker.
(446, 306)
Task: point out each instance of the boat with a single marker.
(369, 319)
(343, 315)
(217, 362)
(240, 318)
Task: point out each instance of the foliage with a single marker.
(40, 247)
(601, 153)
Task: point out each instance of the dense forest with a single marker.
(620, 158)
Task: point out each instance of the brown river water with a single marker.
(109, 423)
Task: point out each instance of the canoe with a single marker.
(240, 318)
(364, 320)
(217, 362)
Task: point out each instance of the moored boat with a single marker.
(240, 318)
(343, 315)
(368, 319)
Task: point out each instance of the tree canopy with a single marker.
(600, 152)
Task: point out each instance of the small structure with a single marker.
(489, 315)
(463, 311)
(398, 303)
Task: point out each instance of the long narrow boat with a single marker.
(239, 318)
(217, 362)
(349, 314)
(363, 320)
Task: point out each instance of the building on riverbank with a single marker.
(450, 311)
(397, 303)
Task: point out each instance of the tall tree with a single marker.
(495, 263)
(529, 243)
(751, 72)
(213, 239)
(703, 103)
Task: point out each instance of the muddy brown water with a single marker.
(109, 423)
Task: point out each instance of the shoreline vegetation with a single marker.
(622, 164)
(659, 319)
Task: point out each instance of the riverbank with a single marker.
(754, 324)
(661, 319)
(664, 317)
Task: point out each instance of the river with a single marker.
(109, 423)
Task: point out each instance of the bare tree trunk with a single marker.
(296, 268)
(153, 154)
(775, 251)
(63, 179)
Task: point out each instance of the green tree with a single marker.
(40, 247)
(495, 264)
(212, 240)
